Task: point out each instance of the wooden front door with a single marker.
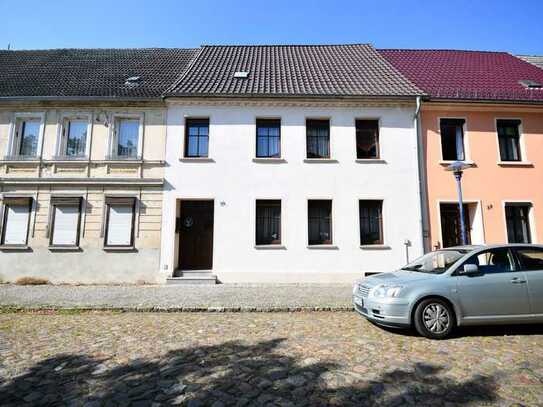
(196, 235)
(450, 224)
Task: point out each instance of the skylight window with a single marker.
(133, 81)
(527, 83)
(241, 74)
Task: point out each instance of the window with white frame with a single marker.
(16, 221)
(26, 137)
(74, 137)
(119, 224)
(517, 216)
(126, 143)
(509, 140)
(65, 221)
(452, 139)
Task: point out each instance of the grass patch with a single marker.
(31, 281)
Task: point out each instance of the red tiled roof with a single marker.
(472, 75)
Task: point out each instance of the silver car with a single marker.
(464, 285)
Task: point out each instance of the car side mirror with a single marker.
(469, 269)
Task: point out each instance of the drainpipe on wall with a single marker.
(423, 186)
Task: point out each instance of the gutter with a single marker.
(423, 185)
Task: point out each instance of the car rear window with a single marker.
(531, 258)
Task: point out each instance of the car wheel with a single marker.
(434, 318)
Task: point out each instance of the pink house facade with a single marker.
(485, 109)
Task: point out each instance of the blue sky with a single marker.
(513, 26)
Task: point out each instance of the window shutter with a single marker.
(120, 220)
(66, 225)
(16, 227)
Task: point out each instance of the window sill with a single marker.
(370, 161)
(269, 160)
(270, 247)
(15, 248)
(120, 161)
(448, 162)
(64, 248)
(119, 249)
(322, 247)
(196, 160)
(320, 161)
(375, 247)
(15, 160)
(515, 164)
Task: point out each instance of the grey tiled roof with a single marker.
(533, 59)
(292, 70)
(91, 72)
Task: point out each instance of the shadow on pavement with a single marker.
(234, 373)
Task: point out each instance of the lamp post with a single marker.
(457, 169)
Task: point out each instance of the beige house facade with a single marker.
(87, 213)
(82, 165)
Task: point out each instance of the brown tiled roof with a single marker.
(292, 70)
(91, 72)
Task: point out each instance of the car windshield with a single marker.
(435, 262)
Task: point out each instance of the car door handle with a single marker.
(517, 280)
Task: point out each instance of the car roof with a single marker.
(491, 246)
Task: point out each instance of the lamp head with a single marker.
(458, 166)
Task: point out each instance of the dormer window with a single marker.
(529, 84)
(133, 81)
(241, 74)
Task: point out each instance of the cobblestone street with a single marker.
(305, 358)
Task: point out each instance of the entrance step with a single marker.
(193, 277)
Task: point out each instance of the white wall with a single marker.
(234, 181)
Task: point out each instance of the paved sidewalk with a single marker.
(223, 297)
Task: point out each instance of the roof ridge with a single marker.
(98, 49)
(282, 45)
(441, 50)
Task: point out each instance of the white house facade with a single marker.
(237, 184)
(290, 164)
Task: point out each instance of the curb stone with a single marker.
(48, 308)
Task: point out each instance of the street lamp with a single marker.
(457, 169)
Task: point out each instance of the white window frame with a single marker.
(62, 128)
(112, 139)
(4, 205)
(531, 217)
(522, 143)
(105, 224)
(14, 141)
(51, 229)
(467, 152)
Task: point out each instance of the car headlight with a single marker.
(355, 288)
(386, 291)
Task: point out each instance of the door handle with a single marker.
(517, 280)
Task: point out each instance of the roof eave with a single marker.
(287, 96)
(81, 98)
(487, 101)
